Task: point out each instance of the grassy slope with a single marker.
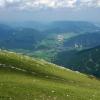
(24, 78)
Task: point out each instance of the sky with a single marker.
(49, 10)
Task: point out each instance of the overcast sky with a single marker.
(49, 10)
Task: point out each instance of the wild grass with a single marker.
(25, 78)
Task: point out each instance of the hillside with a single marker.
(86, 61)
(83, 41)
(50, 47)
(19, 38)
(25, 78)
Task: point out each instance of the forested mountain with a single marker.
(86, 61)
(71, 26)
(82, 41)
(19, 38)
(58, 26)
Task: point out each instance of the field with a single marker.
(25, 78)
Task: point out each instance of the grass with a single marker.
(25, 78)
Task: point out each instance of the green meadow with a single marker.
(26, 78)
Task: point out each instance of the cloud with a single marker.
(48, 3)
(32, 4)
(2, 3)
(90, 3)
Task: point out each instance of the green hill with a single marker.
(25, 78)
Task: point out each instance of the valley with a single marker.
(57, 61)
(49, 49)
(53, 42)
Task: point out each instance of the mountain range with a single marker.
(58, 46)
